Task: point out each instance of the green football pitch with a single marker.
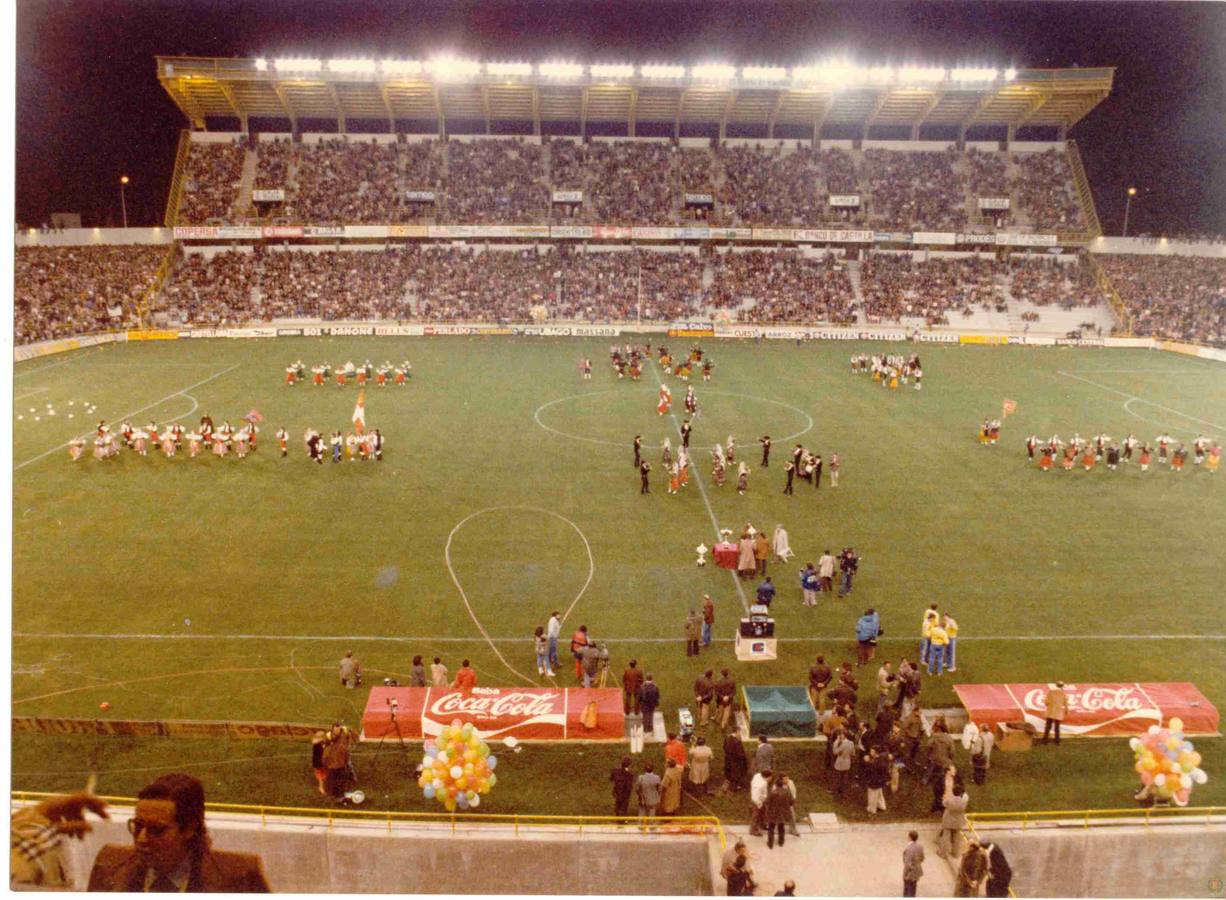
(228, 589)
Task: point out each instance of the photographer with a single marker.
(339, 772)
(849, 564)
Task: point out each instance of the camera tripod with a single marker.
(392, 712)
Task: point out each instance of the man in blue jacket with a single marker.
(868, 629)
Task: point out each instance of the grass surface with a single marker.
(272, 568)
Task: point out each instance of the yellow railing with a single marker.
(176, 179)
(1082, 183)
(1108, 289)
(1152, 815)
(681, 825)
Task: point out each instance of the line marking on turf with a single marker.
(736, 579)
(536, 416)
(591, 572)
(1136, 415)
(426, 639)
(1128, 396)
(29, 394)
(1192, 371)
(134, 412)
(55, 365)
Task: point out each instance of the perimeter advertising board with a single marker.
(527, 714)
(1094, 710)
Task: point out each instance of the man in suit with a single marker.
(171, 849)
(953, 820)
(999, 872)
(912, 864)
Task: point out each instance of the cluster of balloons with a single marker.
(457, 768)
(1167, 763)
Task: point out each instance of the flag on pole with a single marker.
(254, 416)
(359, 412)
(1009, 406)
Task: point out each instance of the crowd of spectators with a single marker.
(1045, 283)
(1180, 298)
(214, 291)
(912, 188)
(63, 291)
(774, 287)
(1045, 191)
(895, 286)
(510, 181)
(211, 182)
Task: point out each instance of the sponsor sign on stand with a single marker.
(399, 330)
(649, 233)
(572, 231)
(351, 330)
(729, 234)
(691, 329)
(153, 335)
(982, 339)
(934, 337)
(1080, 342)
(968, 238)
(1093, 710)
(419, 196)
(527, 714)
(568, 196)
(773, 234)
(408, 231)
(619, 232)
(699, 199)
(993, 202)
(1025, 240)
(892, 237)
(194, 232)
(324, 231)
(240, 232)
(269, 195)
(282, 231)
(934, 237)
(845, 200)
(289, 332)
(731, 331)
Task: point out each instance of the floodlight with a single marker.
(351, 65)
(916, 74)
(612, 70)
(662, 71)
(1010, 74)
(449, 67)
(764, 73)
(297, 65)
(508, 68)
(400, 67)
(974, 74)
(261, 64)
(561, 70)
(713, 72)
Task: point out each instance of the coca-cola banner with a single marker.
(529, 714)
(1094, 710)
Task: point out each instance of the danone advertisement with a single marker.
(527, 714)
(1093, 710)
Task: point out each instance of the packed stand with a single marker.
(1180, 298)
(913, 189)
(495, 181)
(1046, 283)
(631, 184)
(894, 286)
(216, 291)
(210, 185)
(334, 285)
(1045, 191)
(354, 183)
(782, 287)
(423, 171)
(62, 291)
(771, 186)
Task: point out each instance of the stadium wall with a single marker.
(1156, 247)
(99, 237)
(306, 856)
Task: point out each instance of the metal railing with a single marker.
(1082, 183)
(675, 825)
(176, 179)
(1152, 815)
(1108, 289)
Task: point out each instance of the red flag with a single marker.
(359, 412)
(1009, 406)
(254, 416)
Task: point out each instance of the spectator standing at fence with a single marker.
(171, 851)
(623, 786)
(972, 871)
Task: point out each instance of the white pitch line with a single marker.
(464, 596)
(54, 365)
(736, 579)
(30, 394)
(1128, 396)
(134, 412)
(520, 639)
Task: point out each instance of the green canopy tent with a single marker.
(780, 711)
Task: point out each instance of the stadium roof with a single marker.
(342, 90)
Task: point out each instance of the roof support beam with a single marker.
(723, 119)
(239, 112)
(485, 106)
(819, 120)
(677, 118)
(634, 107)
(288, 107)
(933, 102)
(878, 105)
(336, 102)
(536, 110)
(387, 107)
(190, 109)
(774, 116)
(438, 112)
(583, 111)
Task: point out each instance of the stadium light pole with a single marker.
(1132, 192)
(123, 202)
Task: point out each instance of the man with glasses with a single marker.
(171, 850)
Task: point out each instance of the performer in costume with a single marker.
(666, 454)
(742, 479)
(76, 447)
(1145, 457)
(666, 400)
(283, 441)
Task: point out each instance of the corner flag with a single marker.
(359, 412)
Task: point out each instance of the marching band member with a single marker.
(167, 438)
(100, 447)
(1129, 443)
(718, 469)
(193, 444)
(666, 400)
(1031, 444)
(75, 448)
(666, 454)
(376, 443)
(351, 446)
(1164, 441)
(399, 376)
(1198, 450)
(126, 430)
(1145, 457)
(317, 375)
(1088, 458)
(291, 375)
(674, 478)
(1214, 457)
(283, 440)
(742, 479)
(241, 437)
(1045, 460)
(730, 450)
(683, 463)
(1177, 458)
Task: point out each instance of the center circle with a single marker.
(649, 414)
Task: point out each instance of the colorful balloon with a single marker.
(1175, 724)
(457, 767)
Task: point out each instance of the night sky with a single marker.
(89, 106)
